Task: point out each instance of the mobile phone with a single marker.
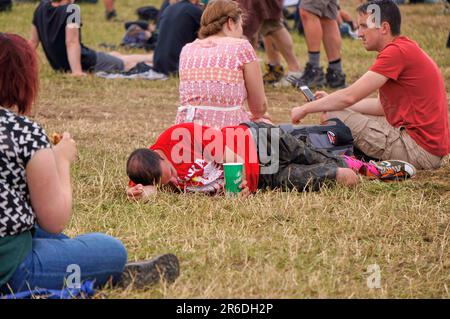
(307, 93)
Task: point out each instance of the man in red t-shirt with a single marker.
(409, 119)
(189, 157)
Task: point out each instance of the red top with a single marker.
(414, 97)
(191, 147)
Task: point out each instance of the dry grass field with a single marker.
(271, 245)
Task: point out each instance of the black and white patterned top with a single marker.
(20, 138)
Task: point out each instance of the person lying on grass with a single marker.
(57, 25)
(409, 119)
(188, 157)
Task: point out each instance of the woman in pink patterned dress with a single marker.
(220, 72)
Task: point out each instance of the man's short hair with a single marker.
(144, 167)
(389, 11)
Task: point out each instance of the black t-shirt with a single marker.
(163, 7)
(179, 25)
(50, 23)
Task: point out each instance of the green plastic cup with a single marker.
(233, 177)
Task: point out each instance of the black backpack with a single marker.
(331, 136)
(147, 13)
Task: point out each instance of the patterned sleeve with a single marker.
(246, 53)
(30, 138)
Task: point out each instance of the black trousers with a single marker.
(288, 163)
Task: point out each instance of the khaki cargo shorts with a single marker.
(270, 26)
(322, 8)
(374, 136)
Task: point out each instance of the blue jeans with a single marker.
(99, 257)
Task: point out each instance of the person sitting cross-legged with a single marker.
(219, 72)
(409, 119)
(36, 198)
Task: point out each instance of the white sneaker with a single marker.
(284, 80)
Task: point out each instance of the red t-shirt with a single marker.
(414, 97)
(192, 148)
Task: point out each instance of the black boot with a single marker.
(145, 273)
(335, 78)
(109, 15)
(312, 77)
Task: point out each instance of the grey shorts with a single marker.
(270, 26)
(108, 63)
(322, 8)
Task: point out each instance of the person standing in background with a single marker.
(264, 17)
(110, 11)
(319, 18)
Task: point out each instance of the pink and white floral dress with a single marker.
(212, 86)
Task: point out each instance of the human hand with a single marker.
(78, 74)
(298, 113)
(266, 118)
(66, 149)
(254, 117)
(320, 94)
(140, 192)
(245, 191)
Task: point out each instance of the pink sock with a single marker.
(366, 169)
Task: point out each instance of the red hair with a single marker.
(19, 73)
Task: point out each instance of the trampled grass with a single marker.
(272, 245)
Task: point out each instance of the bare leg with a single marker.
(109, 5)
(132, 59)
(344, 16)
(283, 42)
(273, 56)
(332, 40)
(313, 30)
